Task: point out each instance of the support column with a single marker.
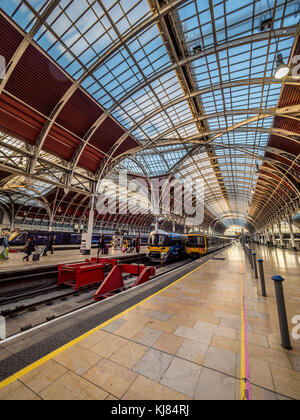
(156, 223)
(292, 233)
(273, 235)
(280, 234)
(267, 236)
(90, 226)
(51, 223)
(173, 226)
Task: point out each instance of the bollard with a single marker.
(262, 277)
(250, 258)
(255, 265)
(284, 328)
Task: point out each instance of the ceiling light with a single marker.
(282, 69)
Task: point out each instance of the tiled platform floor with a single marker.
(183, 343)
(15, 260)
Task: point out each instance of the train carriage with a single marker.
(198, 244)
(164, 246)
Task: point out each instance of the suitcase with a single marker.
(36, 257)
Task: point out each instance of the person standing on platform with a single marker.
(124, 245)
(130, 245)
(101, 245)
(3, 247)
(134, 243)
(29, 248)
(6, 245)
(46, 246)
(51, 244)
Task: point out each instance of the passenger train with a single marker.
(62, 238)
(164, 246)
(198, 244)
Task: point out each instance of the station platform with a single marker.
(15, 261)
(186, 341)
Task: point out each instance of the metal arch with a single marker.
(89, 71)
(17, 171)
(234, 215)
(70, 204)
(212, 88)
(194, 57)
(164, 71)
(290, 31)
(281, 173)
(81, 204)
(40, 199)
(196, 139)
(139, 165)
(234, 171)
(272, 180)
(6, 210)
(260, 191)
(101, 119)
(260, 198)
(30, 198)
(261, 114)
(265, 181)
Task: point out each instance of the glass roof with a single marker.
(206, 118)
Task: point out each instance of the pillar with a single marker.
(173, 226)
(50, 223)
(280, 234)
(273, 235)
(292, 233)
(90, 226)
(156, 223)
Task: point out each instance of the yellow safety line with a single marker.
(54, 353)
(245, 380)
(243, 364)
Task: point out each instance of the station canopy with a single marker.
(178, 89)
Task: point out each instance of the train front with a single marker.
(158, 249)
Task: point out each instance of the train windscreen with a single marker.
(196, 241)
(158, 240)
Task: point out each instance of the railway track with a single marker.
(35, 311)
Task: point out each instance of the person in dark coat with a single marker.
(29, 248)
(101, 244)
(130, 245)
(51, 244)
(46, 246)
(134, 243)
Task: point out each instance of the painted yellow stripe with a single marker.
(245, 384)
(243, 360)
(49, 356)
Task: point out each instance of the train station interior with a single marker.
(150, 202)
